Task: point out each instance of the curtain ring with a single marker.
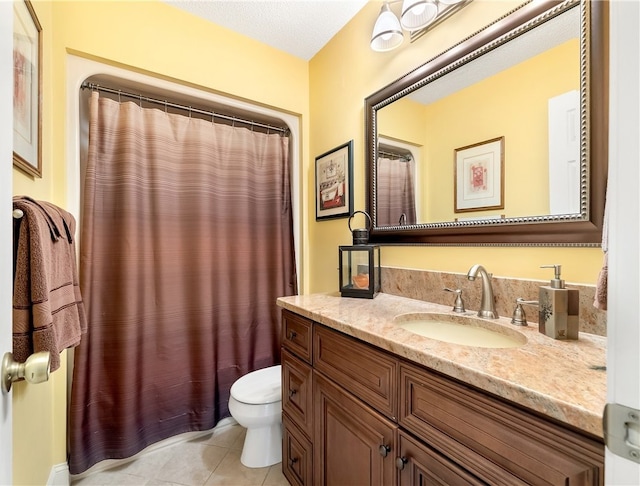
(213, 116)
(233, 122)
(119, 98)
(165, 107)
(140, 101)
(189, 113)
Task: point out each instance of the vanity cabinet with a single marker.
(356, 414)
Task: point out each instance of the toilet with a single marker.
(256, 404)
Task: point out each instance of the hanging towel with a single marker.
(48, 312)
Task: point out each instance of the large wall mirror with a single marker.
(501, 140)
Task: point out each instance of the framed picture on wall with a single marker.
(27, 84)
(479, 176)
(334, 183)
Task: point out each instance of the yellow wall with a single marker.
(156, 39)
(342, 75)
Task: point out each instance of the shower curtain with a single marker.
(395, 192)
(186, 243)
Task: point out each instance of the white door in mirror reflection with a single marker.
(564, 153)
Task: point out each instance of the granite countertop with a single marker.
(564, 380)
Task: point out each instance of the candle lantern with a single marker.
(359, 264)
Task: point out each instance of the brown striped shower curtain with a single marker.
(394, 192)
(186, 242)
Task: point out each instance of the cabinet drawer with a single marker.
(420, 465)
(297, 454)
(530, 448)
(296, 335)
(297, 401)
(366, 372)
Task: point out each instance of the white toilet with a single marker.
(256, 403)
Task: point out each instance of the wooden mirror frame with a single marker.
(583, 229)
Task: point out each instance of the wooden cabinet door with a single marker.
(420, 465)
(353, 444)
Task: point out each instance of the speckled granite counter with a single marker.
(564, 380)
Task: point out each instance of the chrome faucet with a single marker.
(487, 305)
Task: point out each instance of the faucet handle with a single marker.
(458, 305)
(519, 317)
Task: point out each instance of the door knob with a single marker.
(35, 369)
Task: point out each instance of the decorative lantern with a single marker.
(359, 264)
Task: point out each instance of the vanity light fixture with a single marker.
(416, 16)
(387, 33)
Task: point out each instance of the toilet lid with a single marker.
(259, 387)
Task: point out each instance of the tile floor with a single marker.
(212, 459)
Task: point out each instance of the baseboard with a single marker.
(59, 475)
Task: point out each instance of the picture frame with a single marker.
(479, 176)
(27, 91)
(334, 183)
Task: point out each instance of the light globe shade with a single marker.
(417, 14)
(387, 33)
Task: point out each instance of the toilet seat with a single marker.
(259, 387)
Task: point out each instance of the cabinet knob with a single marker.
(384, 450)
(292, 335)
(292, 393)
(292, 461)
(400, 462)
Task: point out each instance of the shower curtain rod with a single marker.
(406, 158)
(212, 114)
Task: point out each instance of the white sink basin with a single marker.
(461, 329)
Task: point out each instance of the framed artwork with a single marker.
(334, 183)
(479, 176)
(27, 75)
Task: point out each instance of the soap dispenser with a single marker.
(558, 308)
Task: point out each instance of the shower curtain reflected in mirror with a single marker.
(395, 194)
(187, 241)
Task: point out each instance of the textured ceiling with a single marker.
(299, 27)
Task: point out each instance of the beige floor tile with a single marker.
(147, 463)
(159, 482)
(239, 442)
(275, 477)
(231, 472)
(226, 436)
(191, 464)
(110, 477)
(212, 459)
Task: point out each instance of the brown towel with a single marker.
(48, 312)
(600, 301)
